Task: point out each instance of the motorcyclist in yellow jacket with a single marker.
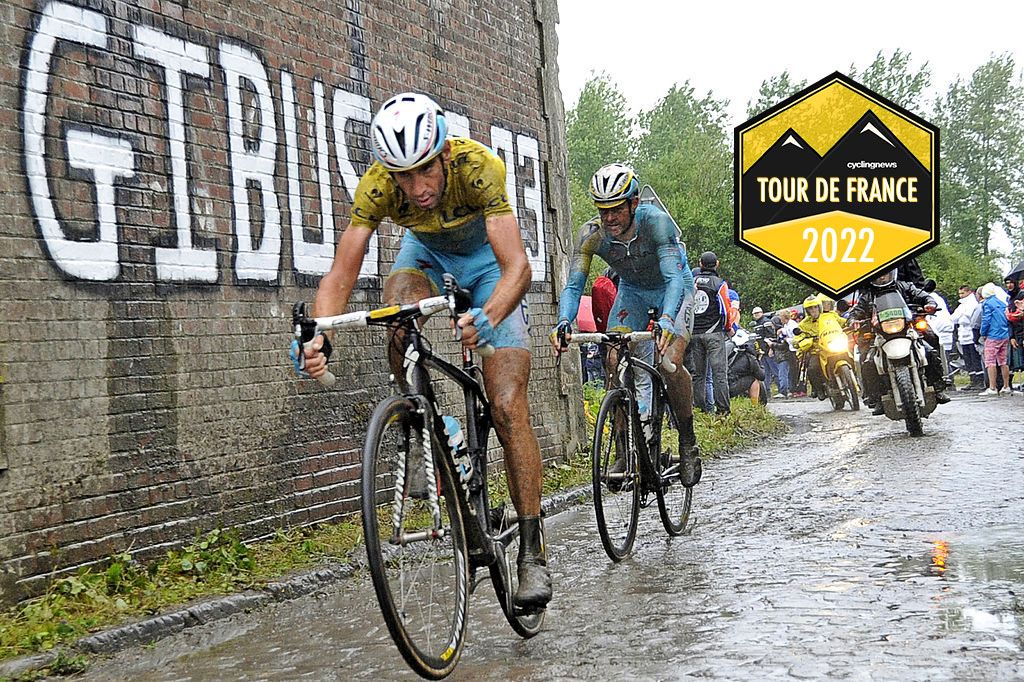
(809, 330)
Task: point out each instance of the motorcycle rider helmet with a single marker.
(740, 338)
(408, 132)
(613, 184)
(812, 307)
(827, 304)
(884, 279)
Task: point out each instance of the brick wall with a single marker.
(173, 175)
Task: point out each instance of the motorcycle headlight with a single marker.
(838, 345)
(921, 325)
(894, 326)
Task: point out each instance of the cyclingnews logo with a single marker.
(836, 184)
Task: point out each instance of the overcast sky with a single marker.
(730, 47)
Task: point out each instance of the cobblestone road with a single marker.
(843, 550)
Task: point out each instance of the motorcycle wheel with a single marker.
(837, 398)
(911, 410)
(850, 384)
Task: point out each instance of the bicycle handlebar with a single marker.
(362, 318)
(455, 300)
(601, 337)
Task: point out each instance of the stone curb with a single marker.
(158, 627)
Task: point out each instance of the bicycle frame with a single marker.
(648, 474)
(473, 499)
(626, 367)
(418, 360)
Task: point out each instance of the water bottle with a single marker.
(457, 443)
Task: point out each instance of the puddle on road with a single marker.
(991, 554)
(991, 561)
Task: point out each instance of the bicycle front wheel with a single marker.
(615, 478)
(415, 540)
(674, 500)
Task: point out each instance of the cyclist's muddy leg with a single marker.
(611, 361)
(680, 388)
(401, 288)
(506, 375)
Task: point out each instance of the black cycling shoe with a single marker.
(941, 398)
(878, 409)
(690, 466)
(534, 591)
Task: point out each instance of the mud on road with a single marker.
(845, 549)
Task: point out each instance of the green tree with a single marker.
(895, 79)
(598, 128)
(950, 267)
(685, 153)
(982, 153)
(773, 90)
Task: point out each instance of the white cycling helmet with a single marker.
(613, 184)
(408, 131)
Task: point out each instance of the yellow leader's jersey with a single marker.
(474, 190)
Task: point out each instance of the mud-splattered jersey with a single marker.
(474, 190)
(653, 259)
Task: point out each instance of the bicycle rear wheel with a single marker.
(674, 499)
(415, 541)
(616, 487)
(505, 578)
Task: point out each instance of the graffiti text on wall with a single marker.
(254, 147)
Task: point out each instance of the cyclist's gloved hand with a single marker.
(484, 332)
(307, 357)
(564, 330)
(668, 328)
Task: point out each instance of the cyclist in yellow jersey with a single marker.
(450, 196)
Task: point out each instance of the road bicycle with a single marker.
(635, 456)
(427, 519)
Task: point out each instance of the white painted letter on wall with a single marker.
(252, 262)
(57, 21)
(106, 158)
(502, 141)
(310, 258)
(184, 263)
(458, 124)
(528, 149)
(349, 106)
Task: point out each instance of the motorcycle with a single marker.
(899, 354)
(834, 358)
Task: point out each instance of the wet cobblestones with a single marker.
(844, 550)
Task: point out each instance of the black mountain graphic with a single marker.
(789, 157)
(867, 142)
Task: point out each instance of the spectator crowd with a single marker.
(981, 333)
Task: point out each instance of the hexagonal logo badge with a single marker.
(836, 184)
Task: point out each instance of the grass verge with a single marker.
(219, 562)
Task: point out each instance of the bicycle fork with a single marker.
(437, 531)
